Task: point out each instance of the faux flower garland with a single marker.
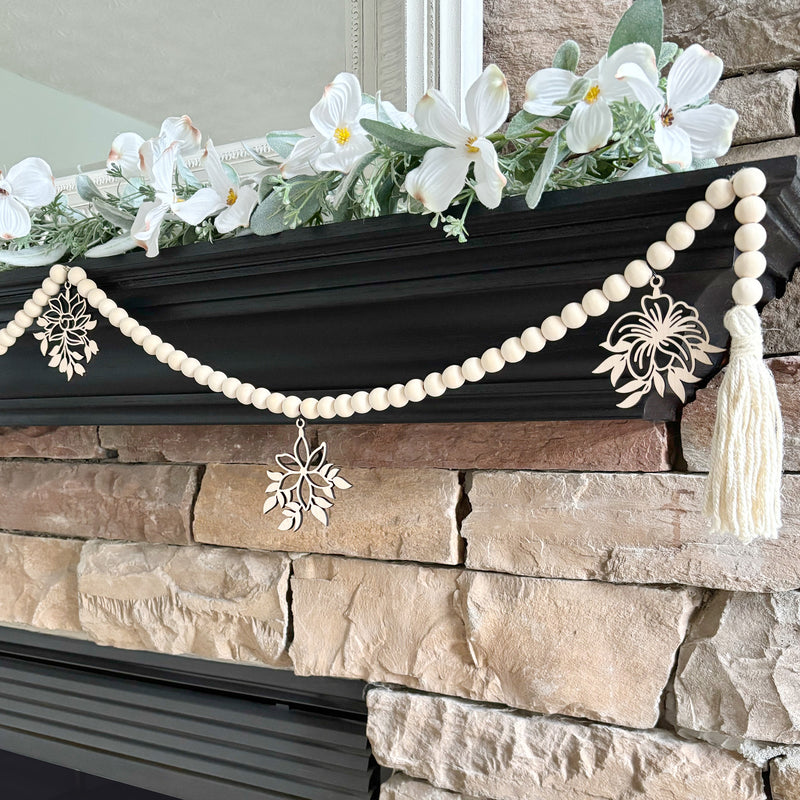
(621, 119)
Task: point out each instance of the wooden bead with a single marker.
(512, 350)
(573, 316)
(202, 374)
(6, 339)
(23, 320)
(751, 236)
(189, 367)
(532, 339)
(379, 399)
(595, 303)
(216, 379)
(553, 328)
(749, 181)
(747, 291)
(492, 360)
(15, 330)
(309, 408)
(32, 309)
(40, 298)
(453, 377)
(95, 297)
(750, 209)
(680, 235)
(163, 352)
(245, 392)
(700, 215)
(720, 194)
(3, 350)
(139, 334)
(616, 288)
(128, 325)
(637, 273)
(175, 360)
(360, 402)
(106, 307)
(58, 272)
(76, 275)
(229, 387)
(415, 390)
(291, 406)
(50, 287)
(85, 286)
(261, 395)
(434, 385)
(150, 343)
(660, 255)
(343, 406)
(117, 317)
(275, 402)
(473, 369)
(397, 395)
(324, 407)
(752, 264)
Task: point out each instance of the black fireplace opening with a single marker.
(79, 722)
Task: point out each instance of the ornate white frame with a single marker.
(402, 47)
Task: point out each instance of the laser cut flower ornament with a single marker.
(29, 184)
(443, 172)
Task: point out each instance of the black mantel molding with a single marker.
(355, 305)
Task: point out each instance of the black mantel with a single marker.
(355, 305)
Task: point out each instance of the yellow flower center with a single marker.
(341, 136)
(471, 145)
(231, 198)
(667, 117)
(592, 95)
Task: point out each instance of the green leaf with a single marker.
(116, 216)
(668, 52)
(262, 161)
(521, 123)
(283, 142)
(40, 256)
(189, 178)
(306, 193)
(113, 247)
(86, 188)
(555, 152)
(415, 144)
(350, 179)
(567, 56)
(268, 218)
(642, 22)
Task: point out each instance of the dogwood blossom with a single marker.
(591, 123)
(443, 172)
(684, 131)
(29, 184)
(126, 148)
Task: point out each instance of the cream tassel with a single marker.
(743, 492)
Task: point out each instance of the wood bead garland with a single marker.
(750, 236)
(749, 181)
(553, 329)
(750, 209)
(752, 264)
(679, 236)
(637, 274)
(720, 194)
(594, 303)
(660, 255)
(573, 316)
(616, 288)
(747, 291)
(700, 215)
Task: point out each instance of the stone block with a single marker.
(737, 670)
(780, 318)
(584, 649)
(491, 752)
(623, 528)
(401, 787)
(388, 514)
(204, 601)
(784, 778)
(108, 501)
(40, 582)
(42, 441)
(756, 152)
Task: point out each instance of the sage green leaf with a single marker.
(567, 56)
(262, 161)
(283, 142)
(642, 22)
(669, 50)
(350, 179)
(116, 216)
(521, 123)
(703, 163)
(189, 178)
(555, 152)
(40, 256)
(269, 216)
(113, 247)
(86, 188)
(305, 196)
(415, 144)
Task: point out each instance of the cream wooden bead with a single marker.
(747, 291)
(58, 272)
(23, 320)
(415, 390)
(397, 395)
(532, 339)
(325, 407)
(6, 339)
(379, 399)
(553, 328)
(679, 236)
(175, 360)
(309, 408)
(638, 273)
(76, 275)
(616, 288)
(190, 366)
(15, 330)
(139, 334)
(453, 377)
(229, 387)
(434, 385)
(750, 209)
(595, 303)
(216, 379)
(573, 316)
(275, 402)
(50, 287)
(3, 350)
(128, 326)
(164, 351)
(749, 181)
(32, 309)
(260, 397)
(750, 265)
(95, 297)
(473, 369)
(41, 298)
(343, 406)
(150, 343)
(360, 402)
(720, 194)
(700, 215)
(118, 316)
(245, 392)
(291, 406)
(751, 236)
(660, 255)
(202, 374)
(85, 286)
(512, 350)
(106, 306)
(492, 360)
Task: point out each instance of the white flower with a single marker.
(29, 184)
(683, 133)
(443, 172)
(591, 123)
(225, 193)
(124, 154)
(340, 141)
